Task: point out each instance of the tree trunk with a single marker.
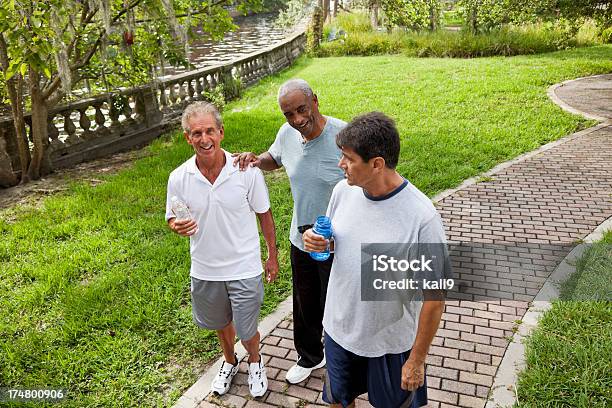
(14, 88)
(432, 15)
(474, 19)
(374, 14)
(335, 12)
(40, 164)
(325, 10)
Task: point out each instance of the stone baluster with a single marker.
(235, 72)
(245, 72)
(269, 63)
(53, 133)
(173, 95)
(69, 129)
(199, 88)
(191, 89)
(251, 71)
(113, 113)
(163, 99)
(85, 124)
(99, 118)
(183, 92)
(255, 63)
(262, 68)
(127, 110)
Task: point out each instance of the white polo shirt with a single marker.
(226, 246)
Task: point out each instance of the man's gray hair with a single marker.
(197, 109)
(294, 85)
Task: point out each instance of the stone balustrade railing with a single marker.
(95, 127)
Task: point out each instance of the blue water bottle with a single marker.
(322, 227)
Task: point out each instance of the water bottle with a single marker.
(322, 227)
(181, 210)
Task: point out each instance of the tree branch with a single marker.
(195, 13)
(94, 48)
(80, 64)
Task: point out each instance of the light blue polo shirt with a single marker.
(313, 171)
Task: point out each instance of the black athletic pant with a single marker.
(310, 279)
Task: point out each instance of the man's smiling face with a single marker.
(301, 111)
(205, 136)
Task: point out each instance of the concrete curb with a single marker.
(200, 390)
(552, 95)
(503, 390)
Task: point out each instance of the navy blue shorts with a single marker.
(351, 375)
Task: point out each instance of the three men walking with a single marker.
(373, 347)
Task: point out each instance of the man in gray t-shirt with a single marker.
(306, 147)
(376, 346)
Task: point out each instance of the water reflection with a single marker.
(255, 33)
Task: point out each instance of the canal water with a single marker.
(254, 33)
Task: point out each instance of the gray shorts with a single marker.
(216, 303)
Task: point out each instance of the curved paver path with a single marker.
(533, 210)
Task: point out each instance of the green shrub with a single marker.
(507, 41)
(363, 44)
(606, 36)
(355, 22)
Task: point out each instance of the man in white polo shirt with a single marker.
(226, 285)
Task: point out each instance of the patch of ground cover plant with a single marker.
(569, 355)
(452, 18)
(94, 289)
(361, 40)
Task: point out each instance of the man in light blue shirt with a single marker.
(306, 147)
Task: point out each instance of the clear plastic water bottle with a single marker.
(322, 227)
(180, 209)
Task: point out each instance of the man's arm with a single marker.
(269, 232)
(264, 161)
(413, 371)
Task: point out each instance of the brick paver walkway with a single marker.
(532, 212)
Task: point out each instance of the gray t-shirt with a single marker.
(313, 171)
(374, 328)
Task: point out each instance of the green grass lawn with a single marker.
(94, 289)
(569, 355)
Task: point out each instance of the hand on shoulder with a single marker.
(245, 160)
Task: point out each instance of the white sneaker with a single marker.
(258, 381)
(223, 380)
(297, 373)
